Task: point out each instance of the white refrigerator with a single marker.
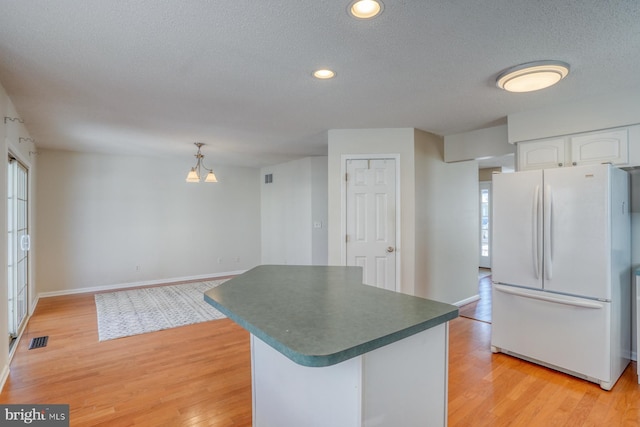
(561, 269)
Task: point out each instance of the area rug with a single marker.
(137, 311)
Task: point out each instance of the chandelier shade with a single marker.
(195, 173)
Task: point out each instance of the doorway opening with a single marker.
(485, 224)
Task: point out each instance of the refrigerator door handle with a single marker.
(536, 231)
(548, 231)
(566, 300)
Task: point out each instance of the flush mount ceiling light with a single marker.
(324, 74)
(194, 174)
(532, 76)
(365, 9)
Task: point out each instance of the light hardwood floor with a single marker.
(481, 309)
(199, 375)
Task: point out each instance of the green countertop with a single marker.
(321, 316)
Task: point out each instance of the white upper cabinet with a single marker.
(602, 147)
(610, 146)
(549, 153)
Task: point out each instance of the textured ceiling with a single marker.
(153, 76)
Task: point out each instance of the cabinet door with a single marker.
(601, 147)
(541, 154)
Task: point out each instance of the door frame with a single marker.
(343, 206)
(488, 185)
(13, 150)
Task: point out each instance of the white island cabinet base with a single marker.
(400, 384)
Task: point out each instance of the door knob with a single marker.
(390, 249)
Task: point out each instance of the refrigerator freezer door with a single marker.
(517, 228)
(567, 333)
(577, 231)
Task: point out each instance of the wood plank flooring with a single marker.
(200, 375)
(488, 389)
(196, 375)
(481, 309)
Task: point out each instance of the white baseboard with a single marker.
(3, 376)
(137, 284)
(467, 301)
(14, 348)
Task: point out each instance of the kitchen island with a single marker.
(328, 350)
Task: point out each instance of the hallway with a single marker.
(481, 309)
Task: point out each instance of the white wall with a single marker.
(438, 210)
(10, 134)
(4, 326)
(607, 111)
(290, 205)
(319, 211)
(447, 224)
(374, 141)
(105, 221)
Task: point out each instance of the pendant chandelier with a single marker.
(195, 172)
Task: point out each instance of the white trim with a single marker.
(486, 263)
(14, 151)
(446, 374)
(467, 301)
(253, 373)
(16, 343)
(343, 207)
(3, 376)
(137, 284)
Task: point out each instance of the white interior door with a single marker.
(371, 220)
(485, 224)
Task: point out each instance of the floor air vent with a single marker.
(38, 342)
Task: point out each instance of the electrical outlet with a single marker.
(219, 260)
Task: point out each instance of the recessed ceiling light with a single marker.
(365, 9)
(324, 74)
(532, 76)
